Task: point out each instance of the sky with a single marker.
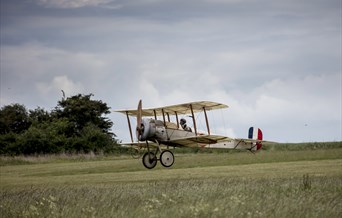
(275, 63)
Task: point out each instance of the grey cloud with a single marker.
(269, 60)
(71, 3)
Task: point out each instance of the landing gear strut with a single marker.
(150, 159)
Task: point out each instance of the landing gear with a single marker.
(167, 158)
(149, 160)
(136, 153)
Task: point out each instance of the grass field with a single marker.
(272, 183)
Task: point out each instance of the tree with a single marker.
(91, 138)
(14, 118)
(39, 115)
(81, 110)
(77, 124)
(45, 137)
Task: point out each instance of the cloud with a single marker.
(36, 73)
(276, 64)
(283, 107)
(71, 3)
(60, 83)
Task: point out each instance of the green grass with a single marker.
(271, 183)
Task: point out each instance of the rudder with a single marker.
(256, 134)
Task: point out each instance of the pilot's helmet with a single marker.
(182, 121)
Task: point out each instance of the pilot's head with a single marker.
(182, 121)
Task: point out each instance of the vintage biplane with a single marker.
(161, 133)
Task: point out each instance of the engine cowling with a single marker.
(148, 129)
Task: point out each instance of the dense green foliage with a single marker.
(77, 124)
(14, 118)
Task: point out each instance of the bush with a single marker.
(77, 124)
(8, 144)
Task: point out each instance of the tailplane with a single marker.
(255, 134)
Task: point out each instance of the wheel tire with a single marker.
(166, 158)
(147, 162)
(136, 153)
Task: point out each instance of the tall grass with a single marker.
(271, 183)
(301, 146)
(58, 158)
(210, 197)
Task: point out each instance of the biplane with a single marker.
(154, 129)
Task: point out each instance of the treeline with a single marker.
(77, 124)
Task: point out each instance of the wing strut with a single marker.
(129, 126)
(206, 120)
(155, 114)
(193, 118)
(177, 119)
(164, 117)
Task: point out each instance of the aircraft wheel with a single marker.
(167, 158)
(149, 160)
(136, 153)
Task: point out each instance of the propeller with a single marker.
(140, 127)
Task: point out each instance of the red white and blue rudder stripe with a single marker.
(256, 134)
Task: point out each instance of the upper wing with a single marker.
(185, 108)
(194, 141)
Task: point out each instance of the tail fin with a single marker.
(255, 133)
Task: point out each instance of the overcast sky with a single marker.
(276, 63)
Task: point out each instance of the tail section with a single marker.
(253, 143)
(255, 134)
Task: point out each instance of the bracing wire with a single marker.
(224, 122)
(214, 126)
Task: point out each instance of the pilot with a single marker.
(184, 126)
